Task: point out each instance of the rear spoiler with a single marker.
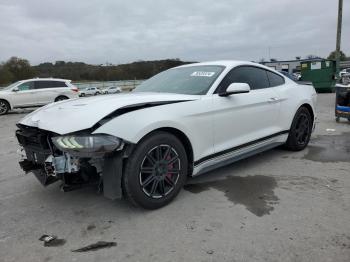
(305, 83)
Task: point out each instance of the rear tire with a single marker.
(61, 98)
(4, 107)
(300, 131)
(156, 171)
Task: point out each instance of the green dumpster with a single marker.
(321, 73)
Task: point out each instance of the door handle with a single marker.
(273, 99)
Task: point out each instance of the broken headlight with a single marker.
(87, 145)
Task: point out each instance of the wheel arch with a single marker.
(56, 99)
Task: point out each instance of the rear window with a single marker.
(274, 79)
(59, 84)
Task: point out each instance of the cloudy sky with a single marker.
(119, 31)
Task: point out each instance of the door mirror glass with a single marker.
(15, 89)
(236, 88)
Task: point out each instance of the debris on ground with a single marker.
(96, 246)
(91, 227)
(52, 241)
(210, 252)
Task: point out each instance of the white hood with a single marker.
(79, 114)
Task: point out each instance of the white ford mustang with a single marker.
(180, 123)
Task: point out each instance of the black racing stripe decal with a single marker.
(196, 163)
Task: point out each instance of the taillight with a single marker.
(75, 89)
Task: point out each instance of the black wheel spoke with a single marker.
(169, 181)
(154, 187)
(158, 153)
(147, 170)
(148, 180)
(162, 187)
(167, 152)
(173, 171)
(151, 159)
(173, 160)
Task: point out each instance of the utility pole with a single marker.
(340, 18)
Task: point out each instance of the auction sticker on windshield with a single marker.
(205, 74)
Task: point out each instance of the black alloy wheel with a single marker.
(160, 171)
(300, 131)
(155, 171)
(4, 107)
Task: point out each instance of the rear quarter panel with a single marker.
(293, 96)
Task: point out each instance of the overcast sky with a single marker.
(115, 31)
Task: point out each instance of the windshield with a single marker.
(192, 80)
(12, 85)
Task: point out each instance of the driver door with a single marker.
(25, 96)
(241, 119)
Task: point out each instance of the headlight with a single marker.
(87, 145)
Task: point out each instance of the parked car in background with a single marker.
(292, 77)
(182, 122)
(343, 72)
(90, 91)
(297, 75)
(345, 79)
(36, 92)
(111, 90)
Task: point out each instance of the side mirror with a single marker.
(15, 89)
(236, 88)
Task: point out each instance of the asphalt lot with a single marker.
(277, 206)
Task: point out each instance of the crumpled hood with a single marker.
(78, 114)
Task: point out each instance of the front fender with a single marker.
(133, 128)
(189, 118)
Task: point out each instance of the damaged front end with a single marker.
(78, 160)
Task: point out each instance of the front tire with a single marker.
(156, 171)
(4, 107)
(300, 131)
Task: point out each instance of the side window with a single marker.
(274, 79)
(255, 77)
(43, 84)
(26, 86)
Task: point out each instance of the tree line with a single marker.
(16, 69)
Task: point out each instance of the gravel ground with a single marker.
(276, 206)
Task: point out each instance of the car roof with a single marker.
(46, 79)
(228, 64)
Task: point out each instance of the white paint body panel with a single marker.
(211, 123)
